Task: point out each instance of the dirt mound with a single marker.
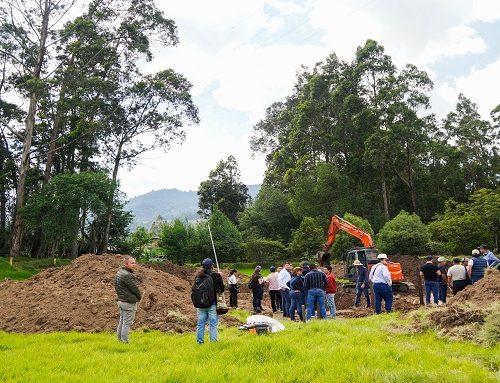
(483, 293)
(81, 297)
(410, 265)
(465, 315)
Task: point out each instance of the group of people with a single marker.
(308, 286)
(291, 290)
(440, 277)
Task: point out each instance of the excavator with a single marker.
(367, 254)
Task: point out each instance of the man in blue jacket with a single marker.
(491, 259)
(362, 285)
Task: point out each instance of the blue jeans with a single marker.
(205, 315)
(382, 291)
(313, 296)
(443, 291)
(359, 291)
(330, 303)
(431, 286)
(296, 302)
(285, 295)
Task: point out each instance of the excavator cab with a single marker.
(366, 255)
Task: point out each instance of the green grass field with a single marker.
(24, 267)
(360, 350)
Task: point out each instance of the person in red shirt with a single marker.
(331, 289)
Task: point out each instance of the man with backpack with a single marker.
(206, 287)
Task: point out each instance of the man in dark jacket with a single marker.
(362, 285)
(128, 294)
(209, 314)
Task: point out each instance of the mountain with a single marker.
(170, 204)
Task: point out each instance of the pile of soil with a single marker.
(81, 297)
(464, 314)
(483, 293)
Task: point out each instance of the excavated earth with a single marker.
(81, 297)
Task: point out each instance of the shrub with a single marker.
(263, 251)
(404, 234)
(307, 239)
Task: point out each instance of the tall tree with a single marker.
(223, 191)
(29, 25)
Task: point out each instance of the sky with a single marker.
(241, 56)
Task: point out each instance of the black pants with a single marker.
(275, 296)
(233, 296)
(458, 286)
(258, 294)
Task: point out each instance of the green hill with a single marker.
(170, 204)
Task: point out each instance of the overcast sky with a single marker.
(242, 55)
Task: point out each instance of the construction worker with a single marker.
(362, 285)
(382, 284)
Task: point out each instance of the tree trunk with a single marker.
(105, 240)
(411, 186)
(384, 195)
(17, 226)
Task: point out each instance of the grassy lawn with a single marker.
(361, 350)
(24, 267)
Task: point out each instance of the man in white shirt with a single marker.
(457, 276)
(284, 277)
(274, 289)
(382, 284)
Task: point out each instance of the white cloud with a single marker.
(480, 86)
(230, 72)
(185, 166)
(420, 32)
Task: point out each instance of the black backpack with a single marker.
(202, 292)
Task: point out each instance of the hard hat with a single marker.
(357, 263)
(382, 256)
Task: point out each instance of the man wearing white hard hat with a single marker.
(382, 284)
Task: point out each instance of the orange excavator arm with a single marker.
(338, 224)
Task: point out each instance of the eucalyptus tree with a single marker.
(29, 26)
(223, 191)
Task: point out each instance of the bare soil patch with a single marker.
(81, 297)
